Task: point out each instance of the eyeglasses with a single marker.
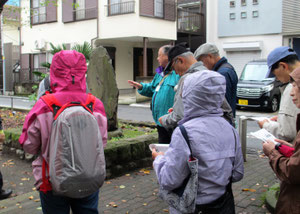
(174, 62)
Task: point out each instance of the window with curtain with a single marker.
(159, 8)
(38, 11)
(80, 9)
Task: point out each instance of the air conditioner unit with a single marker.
(40, 44)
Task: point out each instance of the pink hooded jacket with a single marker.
(67, 74)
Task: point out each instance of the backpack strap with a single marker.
(46, 185)
(52, 103)
(90, 101)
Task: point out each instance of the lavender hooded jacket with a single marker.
(213, 140)
(68, 83)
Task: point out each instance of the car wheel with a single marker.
(274, 105)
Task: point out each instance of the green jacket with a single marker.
(164, 98)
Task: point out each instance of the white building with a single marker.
(245, 30)
(125, 27)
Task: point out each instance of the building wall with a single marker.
(267, 41)
(291, 17)
(134, 25)
(56, 32)
(269, 20)
(10, 34)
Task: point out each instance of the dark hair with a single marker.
(290, 59)
(166, 49)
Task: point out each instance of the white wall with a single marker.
(134, 25)
(269, 42)
(10, 34)
(56, 32)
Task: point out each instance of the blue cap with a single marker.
(277, 54)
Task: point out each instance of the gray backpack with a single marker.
(76, 155)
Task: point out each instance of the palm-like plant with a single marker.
(85, 49)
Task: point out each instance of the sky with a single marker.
(13, 2)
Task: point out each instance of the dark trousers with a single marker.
(164, 136)
(223, 205)
(1, 181)
(54, 204)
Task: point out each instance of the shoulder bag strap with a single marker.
(184, 133)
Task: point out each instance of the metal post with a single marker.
(243, 134)
(12, 104)
(145, 67)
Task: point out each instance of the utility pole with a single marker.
(2, 62)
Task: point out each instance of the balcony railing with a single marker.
(190, 21)
(120, 8)
(86, 13)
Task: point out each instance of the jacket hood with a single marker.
(296, 76)
(67, 72)
(203, 94)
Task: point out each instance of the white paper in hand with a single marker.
(264, 135)
(159, 147)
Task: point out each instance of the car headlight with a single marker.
(267, 88)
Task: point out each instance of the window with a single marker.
(232, 16)
(232, 3)
(243, 2)
(243, 15)
(255, 14)
(79, 8)
(38, 11)
(116, 7)
(159, 8)
(255, 1)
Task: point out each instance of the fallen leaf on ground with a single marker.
(252, 199)
(166, 210)
(145, 204)
(39, 208)
(266, 185)
(108, 182)
(122, 187)
(250, 190)
(257, 184)
(20, 207)
(30, 197)
(124, 201)
(127, 175)
(33, 188)
(37, 200)
(25, 179)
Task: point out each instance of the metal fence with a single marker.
(190, 21)
(121, 8)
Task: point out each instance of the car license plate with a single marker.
(243, 102)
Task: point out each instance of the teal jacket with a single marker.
(164, 98)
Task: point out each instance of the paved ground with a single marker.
(135, 192)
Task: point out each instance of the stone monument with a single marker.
(101, 81)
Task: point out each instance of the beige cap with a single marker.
(206, 48)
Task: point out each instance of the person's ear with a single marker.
(180, 59)
(284, 65)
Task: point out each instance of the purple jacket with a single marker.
(215, 143)
(68, 83)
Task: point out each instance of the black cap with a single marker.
(176, 51)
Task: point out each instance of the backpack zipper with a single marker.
(72, 150)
